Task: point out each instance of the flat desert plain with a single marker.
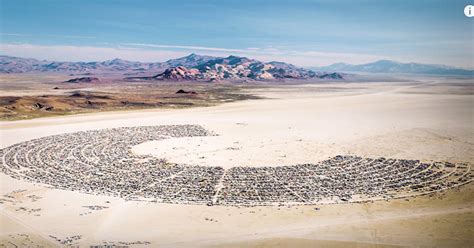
(428, 119)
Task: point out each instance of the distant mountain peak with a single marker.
(118, 60)
(192, 55)
(188, 61)
(390, 66)
(236, 57)
(386, 61)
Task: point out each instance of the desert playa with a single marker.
(426, 118)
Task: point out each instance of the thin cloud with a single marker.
(13, 34)
(50, 35)
(70, 36)
(200, 48)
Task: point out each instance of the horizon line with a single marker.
(186, 54)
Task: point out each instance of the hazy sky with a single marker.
(303, 32)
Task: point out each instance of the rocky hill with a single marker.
(83, 80)
(179, 73)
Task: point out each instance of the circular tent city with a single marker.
(101, 162)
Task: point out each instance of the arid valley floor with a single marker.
(426, 119)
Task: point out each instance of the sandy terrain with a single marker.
(28, 96)
(426, 120)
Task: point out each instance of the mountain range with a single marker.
(389, 66)
(209, 68)
(10, 64)
(192, 68)
(205, 68)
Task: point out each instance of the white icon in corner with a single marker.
(469, 10)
